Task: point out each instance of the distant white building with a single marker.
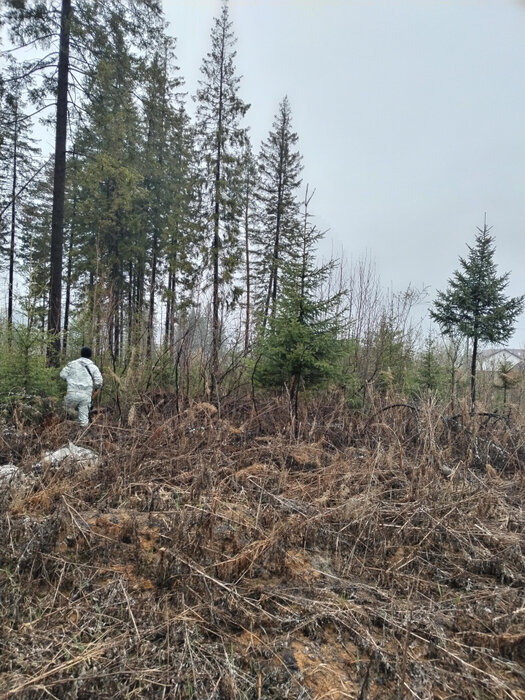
(491, 359)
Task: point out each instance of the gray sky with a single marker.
(410, 116)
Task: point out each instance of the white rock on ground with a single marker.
(8, 472)
(79, 457)
(13, 479)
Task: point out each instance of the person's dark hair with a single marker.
(85, 352)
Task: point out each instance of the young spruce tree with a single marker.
(300, 349)
(474, 304)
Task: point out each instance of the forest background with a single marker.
(185, 255)
(290, 488)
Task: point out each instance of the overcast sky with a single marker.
(410, 116)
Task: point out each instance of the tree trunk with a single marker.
(170, 316)
(69, 274)
(216, 328)
(67, 303)
(59, 186)
(473, 375)
(248, 272)
(13, 231)
(271, 297)
(153, 284)
(453, 386)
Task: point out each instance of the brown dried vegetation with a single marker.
(219, 557)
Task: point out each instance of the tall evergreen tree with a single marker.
(35, 227)
(182, 238)
(300, 349)
(474, 303)
(163, 118)
(19, 165)
(34, 23)
(114, 243)
(219, 112)
(280, 166)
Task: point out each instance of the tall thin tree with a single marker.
(19, 163)
(219, 111)
(59, 187)
(280, 166)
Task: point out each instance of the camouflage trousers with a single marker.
(79, 401)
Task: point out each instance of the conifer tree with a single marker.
(301, 349)
(182, 234)
(280, 166)
(474, 303)
(35, 227)
(113, 242)
(34, 23)
(430, 372)
(164, 168)
(219, 113)
(19, 165)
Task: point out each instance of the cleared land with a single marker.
(206, 557)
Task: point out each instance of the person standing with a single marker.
(83, 378)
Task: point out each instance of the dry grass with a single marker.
(211, 557)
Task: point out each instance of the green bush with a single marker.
(25, 381)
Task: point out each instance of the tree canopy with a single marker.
(474, 303)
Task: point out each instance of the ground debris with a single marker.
(191, 564)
